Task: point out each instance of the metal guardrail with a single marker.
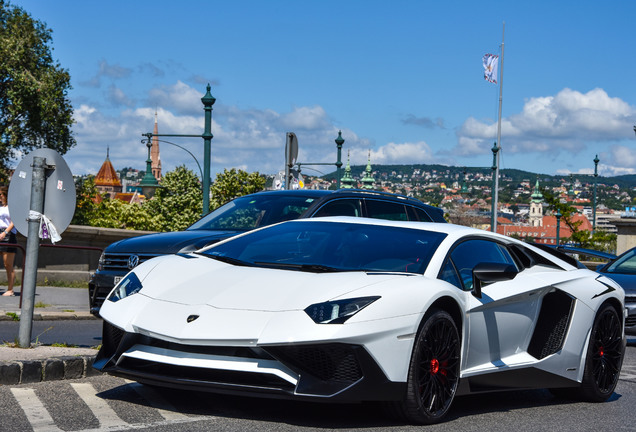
(19, 246)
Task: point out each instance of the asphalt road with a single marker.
(105, 403)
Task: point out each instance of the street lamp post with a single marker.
(558, 227)
(339, 142)
(149, 183)
(207, 100)
(596, 161)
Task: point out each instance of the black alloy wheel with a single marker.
(434, 370)
(604, 356)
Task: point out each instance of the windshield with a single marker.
(254, 211)
(625, 264)
(323, 246)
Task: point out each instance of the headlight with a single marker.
(100, 263)
(338, 311)
(128, 286)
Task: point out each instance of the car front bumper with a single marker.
(322, 371)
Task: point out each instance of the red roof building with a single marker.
(107, 181)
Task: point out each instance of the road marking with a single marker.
(109, 421)
(107, 417)
(165, 408)
(36, 413)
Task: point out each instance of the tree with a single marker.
(599, 240)
(232, 184)
(35, 111)
(114, 213)
(178, 203)
(86, 201)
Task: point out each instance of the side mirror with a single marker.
(491, 272)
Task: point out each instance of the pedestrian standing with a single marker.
(7, 236)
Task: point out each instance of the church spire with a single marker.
(347, 180)
(368, 180)
(154, 152)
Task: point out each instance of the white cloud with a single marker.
(307, 118)
(567, 121)
(402, 153)
(179, 97)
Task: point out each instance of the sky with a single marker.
(402, 79)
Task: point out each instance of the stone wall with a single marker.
(74, 258)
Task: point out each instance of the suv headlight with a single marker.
(128, 286)
(100, 263)
(338, 311)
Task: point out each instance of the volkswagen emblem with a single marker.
(192, 318)
(133, 261)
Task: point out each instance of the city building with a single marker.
(107, 181)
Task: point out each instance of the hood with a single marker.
(198, 280)
(169, 242)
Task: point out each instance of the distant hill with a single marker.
(514, 175)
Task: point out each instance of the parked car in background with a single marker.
(244, 214)
(346, 309)
(623, 270)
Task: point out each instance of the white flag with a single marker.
(491, 62)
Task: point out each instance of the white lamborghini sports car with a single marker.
(353, 309)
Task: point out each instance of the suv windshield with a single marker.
(253, 211)
(624, 265)
(323, 246)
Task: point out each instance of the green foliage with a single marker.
(178, 203)
(232, 184)
(599, 240)
(35, 110)
(85, 201)
(114, 213)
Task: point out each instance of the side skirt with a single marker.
(526, 378)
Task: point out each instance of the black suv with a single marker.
(246, 213)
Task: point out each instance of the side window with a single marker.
(468, 254)
(341, 207)
(386, 210)
(417, 214)
(449, 274)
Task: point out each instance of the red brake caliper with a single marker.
(434, 366)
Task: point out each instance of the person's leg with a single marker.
(7, 259)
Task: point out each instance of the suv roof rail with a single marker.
(378, 193)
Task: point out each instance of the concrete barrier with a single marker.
(77, 260)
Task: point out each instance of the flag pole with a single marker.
(496, 191)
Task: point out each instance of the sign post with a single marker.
(31, 263)
(41, 199)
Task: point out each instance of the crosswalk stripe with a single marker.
(104, 413)
(165, 408)
(36, 413)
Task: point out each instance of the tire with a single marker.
(433, 371)
(604, 356)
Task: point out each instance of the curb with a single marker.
(48, 316)
(51, 369)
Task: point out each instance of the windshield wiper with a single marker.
(314, 268)
(229, 260)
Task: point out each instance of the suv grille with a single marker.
(119, 261)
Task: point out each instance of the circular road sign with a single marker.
(59, 191)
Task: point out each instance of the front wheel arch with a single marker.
(434, 369)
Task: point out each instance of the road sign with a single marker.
(59, 193)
